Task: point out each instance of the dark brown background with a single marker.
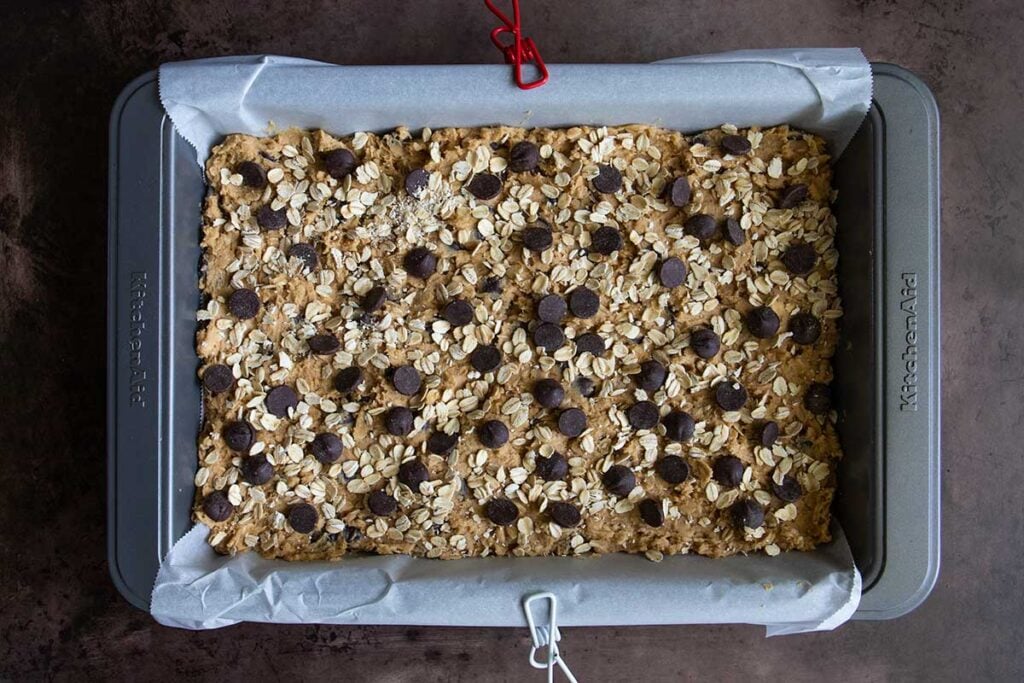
(61, 66)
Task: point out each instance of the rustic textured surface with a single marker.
(63, 64)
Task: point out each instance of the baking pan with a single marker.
(887, 385)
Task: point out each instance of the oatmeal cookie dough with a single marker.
(499, 341)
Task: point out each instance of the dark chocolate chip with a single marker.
(554, 468)
(672, 272)
(417, 181)
(608, 179)
(491, 285)
(238, 436)
(704, 342)
(406, 380)
(584, 302)
(606, 240)
(572, 422)
(244, 304)
(565, 515)
(762, 322)
(651, 512)
(642, 415)
(619, 480)
(458, 312)
(792, 196)
(412, 473)
(485, 358)
(747, 513)
(269, 219)
(734, 232)
(728, 471)
(525, 156)
(672, 469)
(701, 226)
(805, 328)
(398, 421)
(440, 443)
(501, 511)
(492, 434)
(679, 425)
(549, 393)
(217, 507)
(799, 258)
(323, 344)
(218, 378)
(252, 174)
(651, 376)
(590, 342)
(484, 186)
(280, 400)
(537, 237)
(585, 386)
(326, 447)
(306, 253)
(551, 308)
(678, 192)
(730, 395)
(735, 144)
(818, 398)
(374, 299)
(348, 380)
(381, 504)
(549, 337)
(768, 433)
(339, 163)
(256, 469)
(420, 263)
(789, 490)
(302, 517)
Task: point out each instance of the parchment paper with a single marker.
(825, 91)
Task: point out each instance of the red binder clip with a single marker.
(521, 50)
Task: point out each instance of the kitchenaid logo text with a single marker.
(137, 291)
(908, 304)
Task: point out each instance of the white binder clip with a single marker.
(546, 636)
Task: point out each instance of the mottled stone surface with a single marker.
(63, 64)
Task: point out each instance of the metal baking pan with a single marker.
(887, 381)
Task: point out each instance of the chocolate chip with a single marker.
(492, 434)
(747, 513)
(537, 237)
(339, 163)
(217, 507)
(619, 480)
(374, 299)
(302, 517)
(704, 342)
(608, 179)
(651, 512)
(651, 376)
(549, 393)
(323, 344)
(590, 342)
(678, 425)
(818, 398)
(269, 219)
(789, 490)
(565, 515)
(238, 436)
(252, 174)
(484, 186)
(348, 380)
(606, 240)
(672, 272)
(420, 263)
(551, 308)
(734, 232)
(326, 447)
(412, 473)
(218, 378)
(256, 469)
(485, 358)
(244, 304)
(305, 253)
(585, 386)
(491, 285)
(549, 337)
(799, 258)
(381, 504)
(524, 157)
(440, 443)
(501, 511)
(554, 468)
(701, 226)
(762, 322)
(572, 422)
(584, 302)
(678, 192)
(642, 415)
(730, 395)
(728, 471)
(398, 421)
(280, 400)
(672, 469)
(458, 312)
(735, 144)
(416, 181)
(406, 380)
(792, 196)
(768, 433)
(805, 328)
